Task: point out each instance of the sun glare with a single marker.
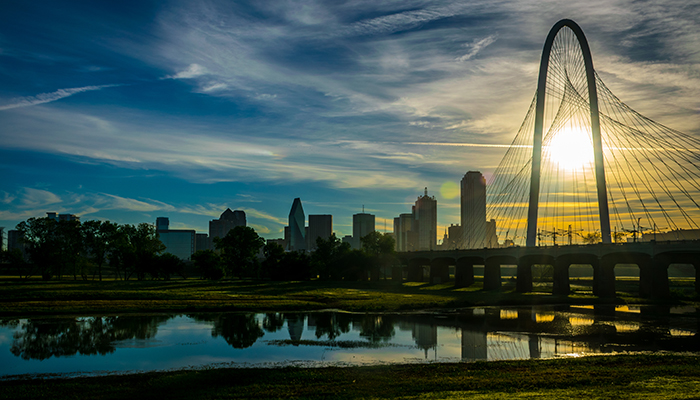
(571, 149)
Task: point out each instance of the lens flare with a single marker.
(449, 190)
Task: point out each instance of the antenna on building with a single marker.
(363, 209)
(426, 190)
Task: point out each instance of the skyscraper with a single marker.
(424, 224)
(297, 226)
(227, 221)
(402, 227)
(320, 226)
(473, 210)
(162, 223)
(179, 242)
(362, 225)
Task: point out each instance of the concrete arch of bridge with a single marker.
(523, 283)
(440, 269)
(492, 270)
(659, 270)
(561, 279)
(464, 270)
(416, 269)
(604, 275)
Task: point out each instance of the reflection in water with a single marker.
(581, 321)
(377, 328)
(238, 330)
(41, 339)
(349, 339)
(544, 317)
(273, 322)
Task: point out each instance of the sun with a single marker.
(571, 148)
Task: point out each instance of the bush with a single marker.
(209, 264)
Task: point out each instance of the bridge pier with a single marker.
(440, 270)
(659, 278)
(492, 274)
(415, 269)
(523, 281)
(560, 284)
(646, 277)
(397, 273)
(464, 271)
(604, 279)
(492, 270)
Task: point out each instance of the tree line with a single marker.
(94, 249)
(83, 250)
(237, 256)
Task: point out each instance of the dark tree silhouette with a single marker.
(239, 249)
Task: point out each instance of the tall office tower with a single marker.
(227, 221)
(402, 227)
(297, 226)
(179, 242)
(424, 224)
(362, 225)
(320, 226)
(473, 208)
(491, 240)
(162, 223)
(201, 242)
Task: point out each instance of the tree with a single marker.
(272, 264)
(239, 249)
(167, 264)
(99, 239)
(380, 251)
(591, 238)
(55, 247)
(326, 258)
(14, 260)
(134, 249)
(209, 264)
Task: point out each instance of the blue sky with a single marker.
(130, 110)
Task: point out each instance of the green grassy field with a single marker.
(603, 377)
(67, 297)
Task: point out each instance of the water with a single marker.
(115, 344)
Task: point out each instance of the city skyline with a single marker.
(168, 109)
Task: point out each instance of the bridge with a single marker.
(582, 161)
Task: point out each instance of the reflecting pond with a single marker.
(108, 344)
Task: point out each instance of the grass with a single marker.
(20, 298)
(624, 376)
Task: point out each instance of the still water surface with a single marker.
(107, 344)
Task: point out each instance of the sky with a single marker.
(131, 110)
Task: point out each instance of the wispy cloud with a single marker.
(476, 46)
(49, 97)
(192, 71)
(31, 197)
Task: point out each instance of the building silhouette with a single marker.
(320, 226)
(297, 226)
(219, 228)
(179, 242)
(473, 210)
(423, 235)
(201, 242)
(362, 225)
(62, 217)
(402, 227)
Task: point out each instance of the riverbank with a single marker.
(23, 298)
(621, 376)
